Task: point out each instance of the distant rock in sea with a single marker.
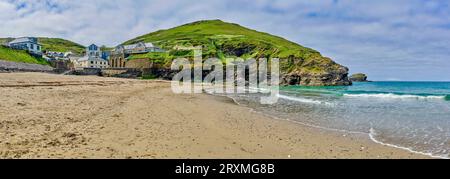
(359, 77)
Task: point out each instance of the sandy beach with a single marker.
(56, 116)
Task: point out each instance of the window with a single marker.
(31, 46)
(92, 62)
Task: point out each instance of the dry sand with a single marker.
(55, 116)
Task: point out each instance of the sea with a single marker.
(413, 116)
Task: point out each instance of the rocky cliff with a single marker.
(359, 77)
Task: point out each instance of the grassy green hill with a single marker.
(60, 45)
(55, 44)
(20, 56)
(221, 39)
(227, 38)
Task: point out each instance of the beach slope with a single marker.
(55, 116)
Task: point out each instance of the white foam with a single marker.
(303, 100)
(372, 135)
(394, 96)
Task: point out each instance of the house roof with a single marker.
(129, 47)
(121, 48)
(23, 40)
(149, 45)
(132, 46)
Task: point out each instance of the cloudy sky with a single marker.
(387, 39)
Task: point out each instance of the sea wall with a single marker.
(86, 72)
(139, 64)
(8, 66)
(61, 66)
(121, 72)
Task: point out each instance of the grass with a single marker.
(20, 56)
(223, 40)
(161, 58)
(4, 40)
(55, 44)
(60, 45)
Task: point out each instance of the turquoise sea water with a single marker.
(409, 115)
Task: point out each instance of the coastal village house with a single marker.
(51, 55)
(26, 43)
(119, 55)
(92, 59)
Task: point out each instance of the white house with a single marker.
(92, 59)
(55, 54)
(119, 55)
(137, 48)
(26, 43)
(91, 62)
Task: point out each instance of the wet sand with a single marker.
(55, 116)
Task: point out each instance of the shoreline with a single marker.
(96, 117)
(369, 135)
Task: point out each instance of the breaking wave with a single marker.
(302, 100)
(399, 96)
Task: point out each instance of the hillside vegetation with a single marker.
(60, 45)
(300, 65)
(20, 56)
(3, 41)
(221, 39)
(55, 44)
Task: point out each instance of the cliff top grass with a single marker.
(224, 40)
(60, 45)
(55, 44)
(5, 40)
(20, 56)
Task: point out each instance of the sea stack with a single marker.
(359, 77)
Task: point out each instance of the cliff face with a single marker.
(299, 65)
(331, 78)
(319, 71)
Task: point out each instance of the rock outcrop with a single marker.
(359, 77)
(331, 78)
(318, 71)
